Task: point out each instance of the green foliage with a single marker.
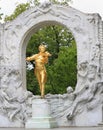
(19, 9)
(62, 2)
(62, 73)
(32, 84)
(61, 68)
(36, 2)
(1, 15)
(53, 36)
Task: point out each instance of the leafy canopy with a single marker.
(1, 14)
(61, 69)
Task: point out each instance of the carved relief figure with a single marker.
(96, 56)
(86, 94)
(40, 71)
(82, 74)
(14, 101)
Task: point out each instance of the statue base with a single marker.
(42, 122)
(100, 124)
(41, 115)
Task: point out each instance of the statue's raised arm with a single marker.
(31, 58)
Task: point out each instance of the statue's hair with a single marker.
(42, 46)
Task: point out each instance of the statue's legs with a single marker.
(43, 81)
(38, 76)
(41, 77)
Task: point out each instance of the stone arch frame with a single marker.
(87, 30)
(78, 23)
(84, 28)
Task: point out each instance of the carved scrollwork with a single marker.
(45, 4)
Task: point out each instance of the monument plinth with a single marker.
(41, 117)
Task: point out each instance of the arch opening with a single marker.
(37, 29)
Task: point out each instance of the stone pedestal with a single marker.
(41, 115)
(100, 124)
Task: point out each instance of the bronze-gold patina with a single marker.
(40, 71)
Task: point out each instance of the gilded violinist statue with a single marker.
(40, 71)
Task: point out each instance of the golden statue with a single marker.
(40, 71)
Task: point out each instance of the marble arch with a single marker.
(14, 36)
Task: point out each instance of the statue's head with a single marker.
(42, 48)
(92, 71)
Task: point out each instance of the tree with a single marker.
(63, 73)
(19, 9)
(57, 35)
(62, 2)
(62, 65)
(1, 15)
